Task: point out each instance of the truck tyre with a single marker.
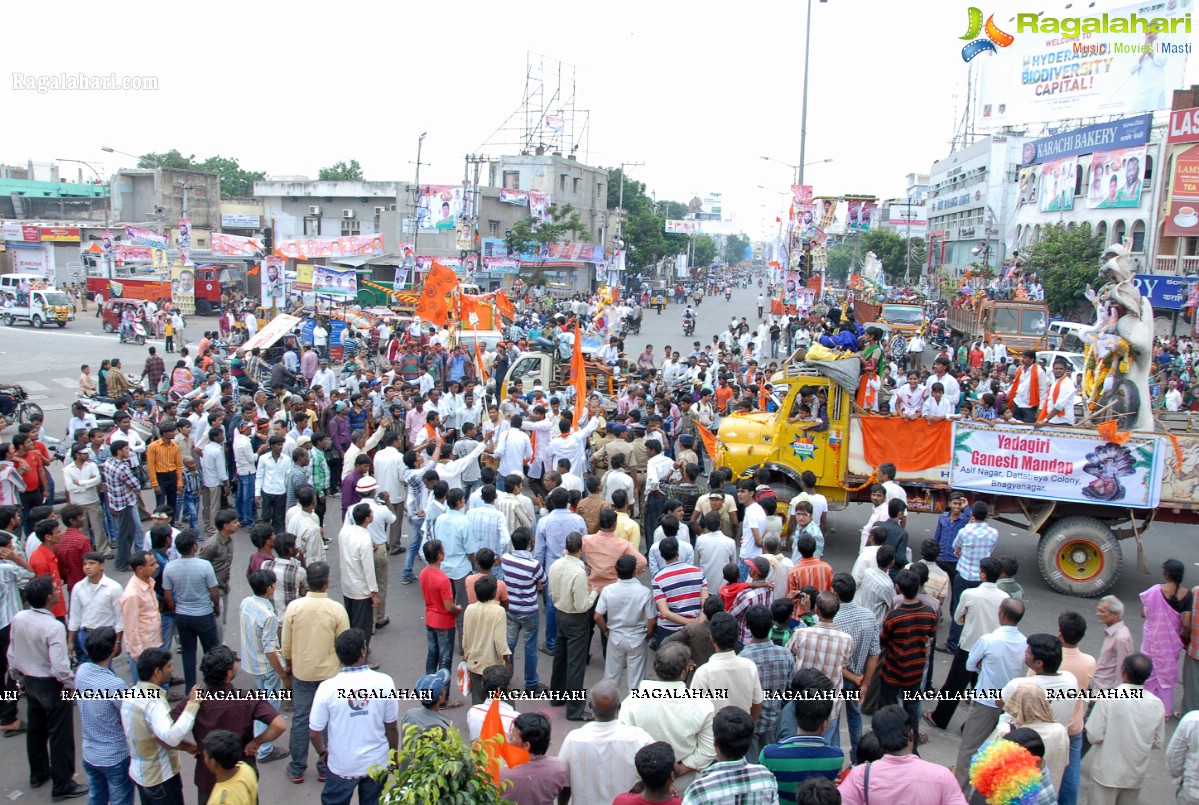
(9, 321)
(1079, 556)
(61, 324)
(108, 328)
(203, 307)
(37, 322)
(784, 492)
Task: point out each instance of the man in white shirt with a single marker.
(251, 322)
(916, 352)
(513, 448)
(303, 521)
(320, 340)
(325, 378)
(82, 479)
(362, 732)
(1029, 389)
(1173, 400)
(538, 425)
(753, 526)
(359, 585)
(95, 602)
(573, 446)
(80, 418)
(713, 550)
(389, 470)
(1059, 402)
(953, 391)
(599, 755)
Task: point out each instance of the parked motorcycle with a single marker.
(15, 405)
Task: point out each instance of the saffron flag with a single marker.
(468, 309)
(505, 305)
(709, 439)
(493, 725)
(578, 376)
(925, 444)
(439, 282)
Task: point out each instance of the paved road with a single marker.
(47, 362)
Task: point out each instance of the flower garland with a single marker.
(1096, 369)
(1006, 774)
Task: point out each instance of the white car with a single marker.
(1047, 358)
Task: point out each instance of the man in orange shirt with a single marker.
(43, 562)
(810, 572)
(724, 393)
(603, 548)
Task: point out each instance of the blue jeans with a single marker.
(852, 714)
(340, 791)
(551, 621)
(191, 628)
(441, 649)
(302, 694)
(168, 630)
(418, 536)
(110, 522)
(528, 625)
(267, 681)
(1068, 795)
(470, 486)
(743, 568)
(189, 508)
(245, 499)
(109, 785)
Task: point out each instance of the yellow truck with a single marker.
(1078, 492)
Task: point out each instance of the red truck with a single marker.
(210, 280)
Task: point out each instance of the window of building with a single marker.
(511, 180)
(599, 190)
(1101, 232)
(350, 226)
(1078, 179)
(1148, 167)
(1138, 236)
(312, 226)
(493, 229)
(1118, 230)
(578, 182)
(562, 177)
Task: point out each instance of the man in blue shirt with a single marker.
(948, 526)
(550, 544)
(453, 529)
(105, 751)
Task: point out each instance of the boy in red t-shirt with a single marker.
(43, 562)
(440, 611)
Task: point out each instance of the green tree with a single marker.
(644, 229)
(734, 249)
(839, 257)
(1065, 261)
(704, 251)
(341, 172)
(530, 235)
(236, 182)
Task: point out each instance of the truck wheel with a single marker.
(38, 323)
(784, 492)
(61, 324)
(1079, 556)
(9, 321)
(108, 328)
(203, 307)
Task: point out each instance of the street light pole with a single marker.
(803, 123)
(620, 201)
(415, 201)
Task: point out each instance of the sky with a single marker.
(698, 93)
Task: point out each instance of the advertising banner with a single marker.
(303, 280)
(185, 241)
(272, 280)
(1117, 178)
(1166, 291)
(494, 247)
(335, 281)
(1184, 126)
(1057, 465)
(539, 205)
(60, 234)
(684, 227)
(1123, 133)
(1090, 61)
(1055, 185)
(828, 210)
(1028, 186)
(801, 199)
(235, 245)
(274, 329)
(1183, 218)
(128, 254)
(240, 220)
(438, 206)
(520, 197)
(307, 248)
(582, 252)
(183, 289)
(148, 237)
(501, 265)
(22, 233)
(860, 215)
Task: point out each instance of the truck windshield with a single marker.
(903, 314)
(57, 298)
(1032, 322)
(1005, 320)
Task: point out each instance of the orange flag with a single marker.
(709, 439)
(505, 305)
(513, 755)
(468, 304)
(431, 306)
(578, 376)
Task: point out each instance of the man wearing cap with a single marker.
(245, 466)
(270, 484)
(434, 693)
(1059, 404)
(359, 585)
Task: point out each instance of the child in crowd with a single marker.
(780, 613)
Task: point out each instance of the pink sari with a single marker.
(1161, 641)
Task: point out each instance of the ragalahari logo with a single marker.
(994, 35)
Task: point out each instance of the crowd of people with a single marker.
(732, 651)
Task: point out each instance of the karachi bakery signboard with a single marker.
(1057, 465)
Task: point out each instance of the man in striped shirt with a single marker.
(489, 526)
(823, 647)
(906, 637)
(805, 755)
(679, 591)
(525, 578)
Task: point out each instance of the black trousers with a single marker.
(168, 484)
(8, 709)
(362, 615)
(570, 658)
(958, 680)
(274, 511)
(50, 741)
(166, 793)
(892, 694)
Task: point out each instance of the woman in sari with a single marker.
(1166, 608)
(102, 377)
(181, 380)
(1029, 707)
